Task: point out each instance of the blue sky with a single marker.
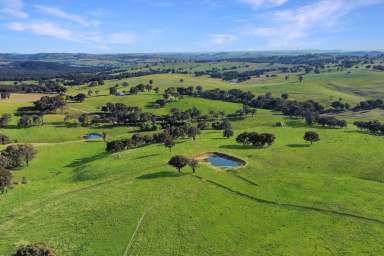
(124, 26)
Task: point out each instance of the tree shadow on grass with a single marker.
(86, 160)
(246, 147)
(294, 123)
(358, 132)
(147, 156)
(298, 145)
(159, 175)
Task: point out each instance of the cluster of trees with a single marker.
(331, 122)
(250, 101)
(369, 105)
(122, 114)
(13, 157)
(44, 86)
(29, 121)
(4, 95)
(108, 74)
(255, 139)
(373, 127)
(49, 104)
(135, 141)
(379, 67)
(179, 162)
(167, 137)
(221, 125)
(77, 98)
(339, 106)
(233, 75)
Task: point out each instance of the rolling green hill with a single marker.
(290, 198)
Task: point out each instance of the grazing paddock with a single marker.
(289, 198)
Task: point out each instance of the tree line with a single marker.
(372, 127)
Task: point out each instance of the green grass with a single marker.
(290, 199)
(326, 87)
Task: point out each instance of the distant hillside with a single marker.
(139, 58)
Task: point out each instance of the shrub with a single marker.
(256, 139)
(34, 250)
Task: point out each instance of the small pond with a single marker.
(222, 161)
(93, 136)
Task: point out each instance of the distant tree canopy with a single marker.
(372, 127)
(369, 105)
(49, 104)
(42, 86)
(331, 122)
(255, 139)
(78, 98)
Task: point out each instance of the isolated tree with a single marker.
(311, 137)
(193, 163)
(301, 78)
(5, 180)
(104, 135)
(309, 118)
(90, 92)
(4, 139)
(24, 121)
(169, 143)
(228, 133)
(27, 151)
(4, 120)
(193, 132)
(284, 96)
(178, 162)
(112, 91)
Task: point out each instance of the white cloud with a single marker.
(221, 39)
(292, 25)
(42, 28)
(122, 38)
(264, 3)
(56, 12)
(13, 8)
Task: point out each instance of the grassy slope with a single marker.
(290, 199)
(326, 87)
